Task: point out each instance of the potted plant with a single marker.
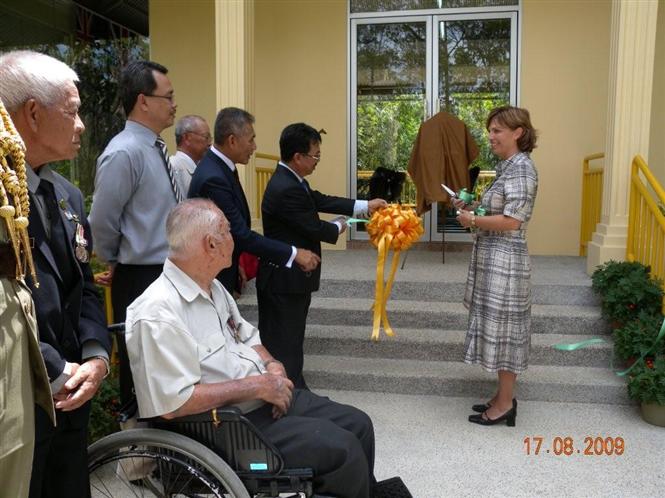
(636, 337)
(105, 408)
(609, 273)
(647, 386)
(626, 289)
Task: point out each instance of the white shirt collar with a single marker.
(300, 179)
(186, 286)
(219, 154)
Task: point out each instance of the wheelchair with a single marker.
(218, 454)
(215, 454)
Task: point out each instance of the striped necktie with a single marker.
(161, 145)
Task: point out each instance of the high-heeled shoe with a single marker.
(510, 416)
(487, 406)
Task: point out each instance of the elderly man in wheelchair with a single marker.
(191, 353)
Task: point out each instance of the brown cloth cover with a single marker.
(442, 153)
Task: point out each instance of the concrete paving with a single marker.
(428, 441)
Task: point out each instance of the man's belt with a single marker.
(7, 261)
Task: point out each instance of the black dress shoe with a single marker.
(481, 408)
(509, 417)
(486, 406)
(391, 488)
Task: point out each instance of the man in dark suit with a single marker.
(216, 177)
(290, 213)
(42, 98)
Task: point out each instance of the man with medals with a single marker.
(42, 99)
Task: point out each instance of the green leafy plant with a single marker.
(632, 294)
(637, 337)
(647, 384)
(626, 289)
(609, 273)
(105, 408)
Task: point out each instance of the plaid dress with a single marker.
(498, 288)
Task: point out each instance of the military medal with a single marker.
(81, 243)
(80, 250)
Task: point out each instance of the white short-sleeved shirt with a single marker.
(177, 336)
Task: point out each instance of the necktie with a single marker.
(57, 240)
(242, 193)
(305, 185)
(161, 145)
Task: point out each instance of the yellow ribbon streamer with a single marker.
(397, 228)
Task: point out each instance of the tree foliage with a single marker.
(474, 78)
(98, 64)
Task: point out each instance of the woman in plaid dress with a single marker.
(498, 291)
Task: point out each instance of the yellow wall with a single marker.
(565, 65)
(657, 139)
(182, 37)
(301, 75)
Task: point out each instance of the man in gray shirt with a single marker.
(134, 191)
(192, 136)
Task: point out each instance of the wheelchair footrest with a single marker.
(289, 480)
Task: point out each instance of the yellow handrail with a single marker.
(646, 222)
(108, 306)
(108, 309)
(592, 200)
(262, 176)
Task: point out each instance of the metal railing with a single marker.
(592, 200)
(262, 175)
(646, 221)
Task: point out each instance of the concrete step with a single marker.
(546, 319)
(444, 378)
(450, 292)
(442, 345)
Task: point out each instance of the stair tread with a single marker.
(416, 335)
(536, 374)
(429, 306)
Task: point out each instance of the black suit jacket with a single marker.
(214, 180)
(290, 213)
(66, 318)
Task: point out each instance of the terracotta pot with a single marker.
(654, 414)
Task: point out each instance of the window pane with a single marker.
(474, 74)
(390, 98)
(397, 5)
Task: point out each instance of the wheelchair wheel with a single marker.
(157, 463)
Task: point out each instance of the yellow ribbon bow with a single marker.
(393, 227)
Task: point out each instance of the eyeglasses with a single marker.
(170, 98)
(316, 158)
(206, 136)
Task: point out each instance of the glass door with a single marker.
(475, 71)
(405, 69)
(390, 97)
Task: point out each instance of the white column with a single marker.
(633, 39)
(234, 33)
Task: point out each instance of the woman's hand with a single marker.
(458, 203)
(464, 218)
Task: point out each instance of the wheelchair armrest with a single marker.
(117, 328)
(228, 414)
(229, 433)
